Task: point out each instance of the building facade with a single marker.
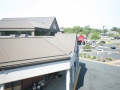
(33, 26)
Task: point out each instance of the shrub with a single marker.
(84, 56)
(88, 56)
(91, 58)
(98, 59)
(107, 58)
(81, 55)
(87, 46)
(110, 59)
(94, 57)
(103, 60)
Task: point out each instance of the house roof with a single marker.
(19, 51)
(67, 39)
(26, 23)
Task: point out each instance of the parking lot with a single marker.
(107, 52)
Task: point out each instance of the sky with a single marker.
(69, 13)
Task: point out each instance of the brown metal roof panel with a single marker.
(7, 49)
(33, 62)
(12, 48)
(47, 21)
(58, 44)
(67, 39)
(2, 51)
(27, 48)
(15, 44)
(1, 58)
(15, 24)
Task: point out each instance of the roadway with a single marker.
(98, 76)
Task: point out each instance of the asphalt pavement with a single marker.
(98, 76)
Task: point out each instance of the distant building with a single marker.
(81, 39)
(33, 26)
(114, 32)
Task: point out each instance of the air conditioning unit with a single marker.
(14, 35)
(24, 35)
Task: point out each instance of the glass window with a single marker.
(40, 33)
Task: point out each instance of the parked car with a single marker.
(94, 45)
(113, 47)
(100, 48)
(103, 42)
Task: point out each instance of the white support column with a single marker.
(68, 79)
(1, 86)
(32, 33)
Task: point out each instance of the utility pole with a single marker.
(103, 29)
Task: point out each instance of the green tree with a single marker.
(114, 29)
(76, 29)
(111, 35)
(86, 31)
(95, 36)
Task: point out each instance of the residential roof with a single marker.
(67, 39)
(26, 23)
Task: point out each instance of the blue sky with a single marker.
(69, 13)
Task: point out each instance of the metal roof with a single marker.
(67, 39)
(47, 21)
(19, 50)
(59, 45)
(22, 51)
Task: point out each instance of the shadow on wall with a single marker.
(81, 76)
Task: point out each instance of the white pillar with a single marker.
(68, 79)
(32, 33)
(1, 86)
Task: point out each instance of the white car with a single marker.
(100, 48)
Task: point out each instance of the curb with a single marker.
(76, 81)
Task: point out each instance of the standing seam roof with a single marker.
(67, 39)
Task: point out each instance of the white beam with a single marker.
(68, 79)
(32, 71)
(1, 86)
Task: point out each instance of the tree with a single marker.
(104, 31)
(111, 35)
(114, 29)
(86, 31)
(95, 36)
(76, 29)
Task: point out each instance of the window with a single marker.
(40, 33)
(54, 26)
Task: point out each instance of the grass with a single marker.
(88, 56)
